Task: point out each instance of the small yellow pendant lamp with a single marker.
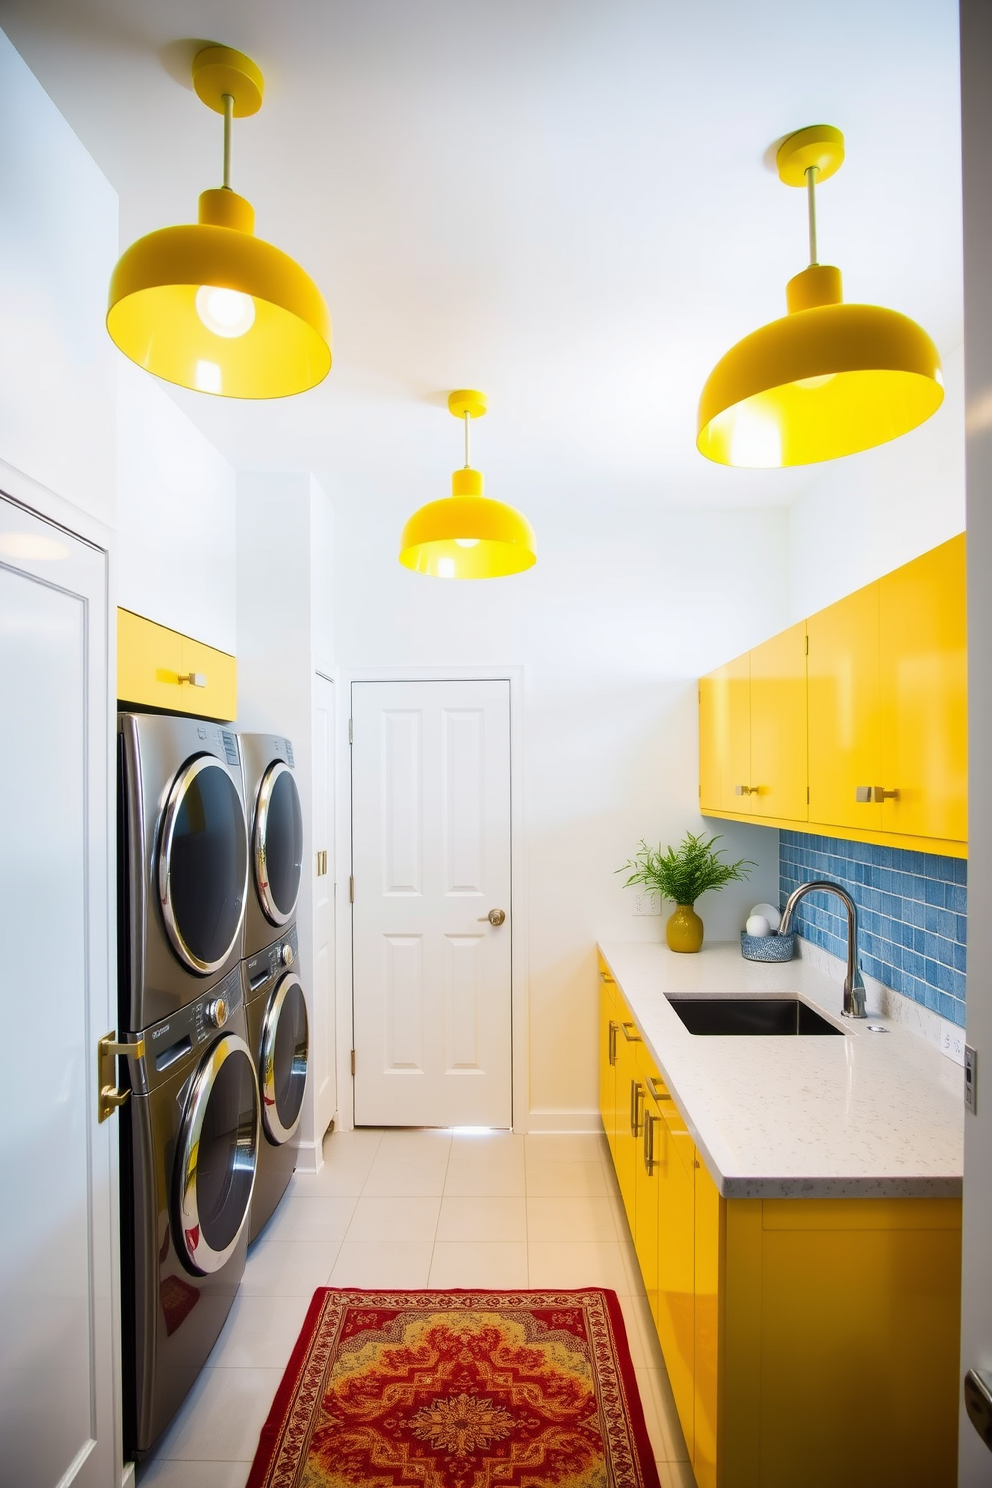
(829, 379)
(467, 535)
(208, 305)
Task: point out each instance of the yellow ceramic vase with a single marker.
(684, 931)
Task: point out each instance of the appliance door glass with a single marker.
(203, 864)
(216, 1156)
(282, 1061)
(278, 844)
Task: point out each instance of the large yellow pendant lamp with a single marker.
(208, 305)
(467, 535)
(829, 379)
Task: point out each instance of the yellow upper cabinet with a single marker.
(924, 695)
(725, 737)
(843, 711)
(160, 668)
(862, 708)
(778, 725)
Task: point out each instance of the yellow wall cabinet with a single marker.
(159, 668)
(866, 735)
(808, 1342)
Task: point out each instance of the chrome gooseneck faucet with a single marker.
(854, 987)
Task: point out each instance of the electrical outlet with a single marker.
(952, 1043)
(647, 904)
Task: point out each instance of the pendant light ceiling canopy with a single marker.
(467, 535)
(208, 305)
(828, 379)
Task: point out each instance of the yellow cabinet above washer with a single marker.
(160, 668)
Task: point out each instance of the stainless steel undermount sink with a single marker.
(751, 1016)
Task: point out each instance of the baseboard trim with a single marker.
(564, 1123)
(309, 1157)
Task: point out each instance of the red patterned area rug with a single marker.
(458, 1389)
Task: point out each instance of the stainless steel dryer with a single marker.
(183, 862)
(276, 838)
(279, 1037)
(189, 1148)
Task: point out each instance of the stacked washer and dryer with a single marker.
(194, 1144)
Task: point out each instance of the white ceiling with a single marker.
(568, 203)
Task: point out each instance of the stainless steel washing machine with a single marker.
(183, 862)
(190, 1137)
(279, 1037)
(276, 838)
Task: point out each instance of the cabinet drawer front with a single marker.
(215, 693)
(155, 666)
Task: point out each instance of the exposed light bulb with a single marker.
(226, 312)
(467, 542)
(207, 377)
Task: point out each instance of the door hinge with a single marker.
(351, 889)
(322, 862)
(352, 1061)
(111, 1097)
(351, 731)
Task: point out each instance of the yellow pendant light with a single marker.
(828, 379)
(467, 535)
(208, 305)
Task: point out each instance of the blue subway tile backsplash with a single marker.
(912, 913)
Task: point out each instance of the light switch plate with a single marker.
(970, 1078)
(952, 1042)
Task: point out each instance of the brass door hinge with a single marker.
(322, 862)
(351, 731)
(351, 889)
(352, 1061)
(111, 1097)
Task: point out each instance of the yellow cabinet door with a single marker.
(725, 738)
(843, 702)
(630, 1111)
(210, 684)
(706, 1324)
(149, 663)
(646, 1240)
(675, 1316)
(778, 726)
(608, 1031)
(924, 695)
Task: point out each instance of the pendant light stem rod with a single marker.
(811, 208)
(228, 117)
(468, 420)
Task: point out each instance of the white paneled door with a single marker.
(323, 1043)
(431, 858)
(58, 1322)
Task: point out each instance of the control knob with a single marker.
(286, 955)
(216, 1012)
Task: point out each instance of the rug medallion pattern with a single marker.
(458, 1389)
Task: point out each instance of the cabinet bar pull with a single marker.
(650, 1161)
(632, 1038)
(636, 1096)
(746, 790)
(652, 1085)
(874, 794)
(605, 977)
(195, 679)
(612, 1041)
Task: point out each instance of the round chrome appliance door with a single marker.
(283, 1055)
(278, 843)
(203, 864)
(216, 1156)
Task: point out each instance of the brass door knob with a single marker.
(495, 917)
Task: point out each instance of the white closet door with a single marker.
(431, 856)
(58, 1250)
(323, 1051)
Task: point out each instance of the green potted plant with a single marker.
(683, 873)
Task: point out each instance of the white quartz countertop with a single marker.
(869, 1115)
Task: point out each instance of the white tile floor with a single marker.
(500, 1211)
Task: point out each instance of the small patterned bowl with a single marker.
(767, 947)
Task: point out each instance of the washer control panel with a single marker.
(169, 1041)
(261, 968)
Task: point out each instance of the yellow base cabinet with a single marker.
(608, 1030)
(160, 668)
(810, 1343)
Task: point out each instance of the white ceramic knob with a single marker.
(757, 925)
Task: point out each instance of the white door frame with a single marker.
(519, 997)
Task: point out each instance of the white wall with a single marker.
(867, 514)
(58, 245)
(284, 572)
(975, 1469)
(176, 511)
(612, 628)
